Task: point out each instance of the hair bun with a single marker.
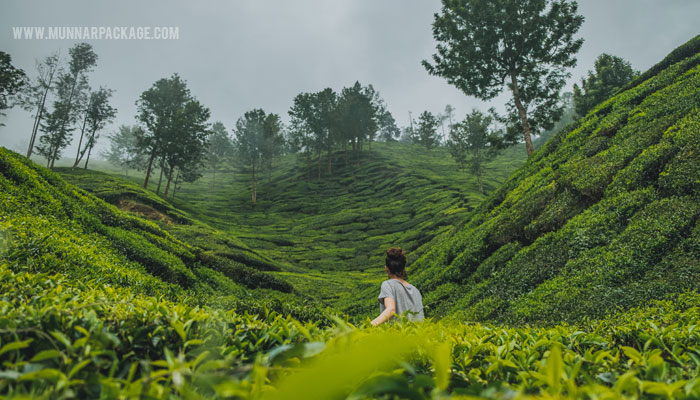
(396, 261)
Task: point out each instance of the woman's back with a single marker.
(406, 297)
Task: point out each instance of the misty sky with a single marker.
(242, 54)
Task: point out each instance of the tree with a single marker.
(426, 135)
(386, 124)
(71, 92)
(12, 81)
(356, 117)
(157, 107)
(249, 143)
(273, 140)
(473, 143)
(324, 105)
(301, 136)
(220, 150)
(124, 150)
(446, 116)
(98, 114)
(610, 73)
(525, 45)
(185, 143)
(34, 99)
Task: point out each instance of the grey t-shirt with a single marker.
(407, 298)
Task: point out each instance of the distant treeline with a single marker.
(174, 136)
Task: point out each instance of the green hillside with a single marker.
(603, 217)
(325, 236)
(193, 299)
(52, 226)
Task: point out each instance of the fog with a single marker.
(244, 54)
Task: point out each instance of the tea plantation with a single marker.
(576, 278)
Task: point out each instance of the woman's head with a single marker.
(396, 262)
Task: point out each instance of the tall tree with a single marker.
(610, 73)
(325, 104)
(220, 150)
(12, 81)
(186, 141)
(301, 134)
(249, 143)
(124, 150)
(98, 114)
(157, 107)
(426, 135)
(34, 100)
(525, 45)
(473, 143)
(356, 117)
(71, 91)
(273, 140)
(386, 124)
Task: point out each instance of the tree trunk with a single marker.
(37, 123)
(148, 169)
(254, 196)
(522, 112)
(63, 123)
(330, 171)
(318, 154)
(80, 142)
(160, 179)
(88, 147)
(89, 150)
(177, 179)
(167, 186)
(213, 179)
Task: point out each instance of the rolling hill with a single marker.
(603, 217)
(324, 236)
(193, 299)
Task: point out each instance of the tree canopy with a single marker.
(484, 46)
(610, 73)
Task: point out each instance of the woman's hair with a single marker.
(396, 262)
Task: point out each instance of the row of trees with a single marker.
(75, 106)
(326, 120)
(321, 123)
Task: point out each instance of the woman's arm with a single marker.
(389, 311)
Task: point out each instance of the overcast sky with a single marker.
(242, 54)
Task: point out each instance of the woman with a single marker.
(397, 296)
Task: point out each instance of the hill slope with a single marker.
(50, 226)
(603, 216)
(326, 236)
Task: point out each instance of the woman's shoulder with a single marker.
(396, 282)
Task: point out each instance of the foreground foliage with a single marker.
(65, 338)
